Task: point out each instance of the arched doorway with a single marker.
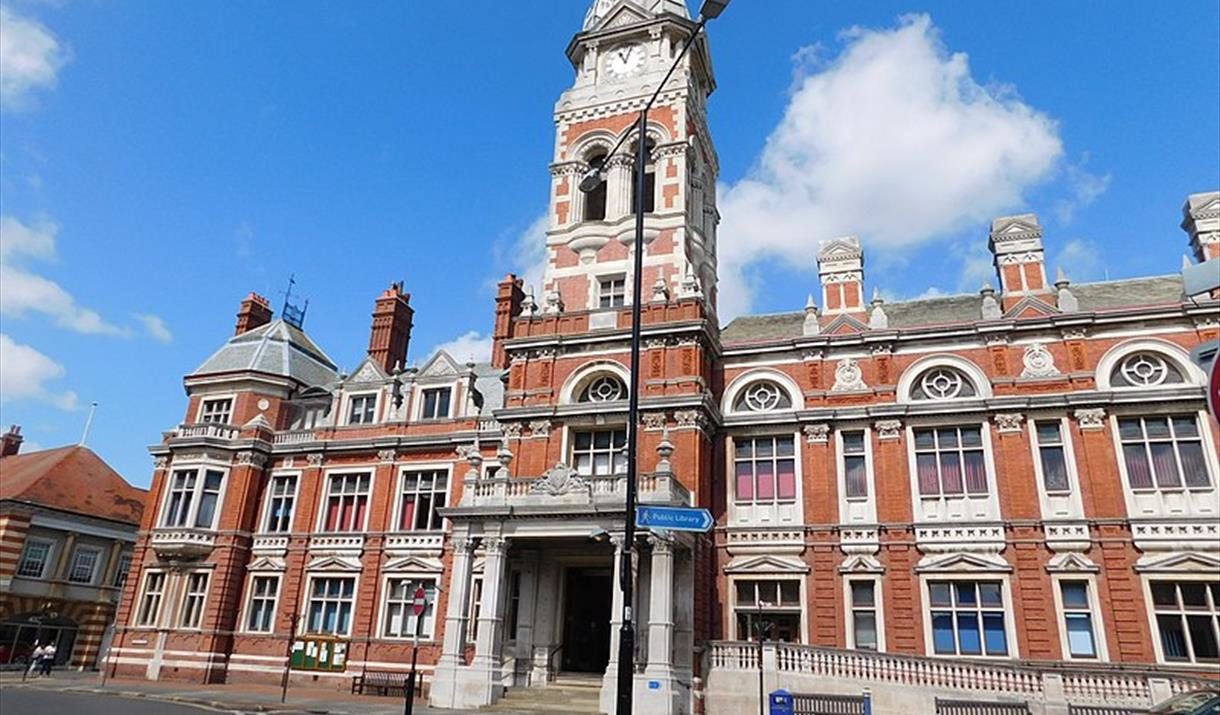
(20, 634)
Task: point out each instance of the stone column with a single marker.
(610, 679)
(660, 693)
(487, 656)
(444, 690)
(618, 186)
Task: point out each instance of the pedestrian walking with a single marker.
(48, 659)
(36, 658)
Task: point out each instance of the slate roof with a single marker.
(71, 479)
(966, 308)
(276, 348)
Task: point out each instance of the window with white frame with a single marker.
(1188, 620)
(764, 469)
(192, 500)
(435, 403)
(281, 498)
(473, 608)
(1163, 452)
(400, 618)
(361, 409)
(260, 613)
(120, 572)
(864, 630)
(599, 452)
(1145, 369)
(219, 411)
(150, 602)
(770, 605)
(84, 564)
(762, 396)
(968, 618)
(612, 292)
(942, 383)
(421, 495)
(330, 605)
(949, 461)
(34, 557)
(1052, 456)
(347, 499)
(193, 598)
(604, 388)
(1080, 632)
(855, 465)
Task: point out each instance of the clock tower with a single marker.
(620, 56)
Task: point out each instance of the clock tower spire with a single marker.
(620, 55)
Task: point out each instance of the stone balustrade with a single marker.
(183, 543)
(294, 437)
(572, 489)
(336, 543)
(212, 430)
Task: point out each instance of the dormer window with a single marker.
(436, 403)
(361, 409)
(1145, 370)
(216, 411)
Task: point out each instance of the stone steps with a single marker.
(575, 695)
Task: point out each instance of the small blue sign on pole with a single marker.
(676, 518)
(781, 703)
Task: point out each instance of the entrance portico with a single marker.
(535, 587)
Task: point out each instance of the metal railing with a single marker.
(981, 707)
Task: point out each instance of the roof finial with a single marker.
(88, 423)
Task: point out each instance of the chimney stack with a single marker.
(255, 312)
(1201, 222)
(841, 269)
(391, 332)
(509, 300)
(1016, 243)
(10, 442)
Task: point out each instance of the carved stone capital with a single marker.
(314, 460)
(462, 544)
(888, 429)
(540, 428)
(1073, 333)
(882, 349)
(1009, 421)
(1093, 418)
(386, 456)
(160, 463)
(654, 420)
(512, 430)
(690, 419)
(495, 545)
(996, 340)
(815, 434)
(661, 544)
(251, 458)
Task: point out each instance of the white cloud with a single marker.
(1080, 259)
(470, 346)
(894, 141)
(23, 292)
(1083, 189)
(30, 59)
(24, 372)
(155, 327)
(529, 255)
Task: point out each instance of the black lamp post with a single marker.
(710, 10)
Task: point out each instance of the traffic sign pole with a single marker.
(419, 604)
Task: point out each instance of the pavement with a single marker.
(128, 696)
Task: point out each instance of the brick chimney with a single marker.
(1016, 244)
(509, 298)
(1201, 222)
(10, 442)
(841, 270)
(391, 332)
(255, 312)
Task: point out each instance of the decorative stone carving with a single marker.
(253, 459)
(996, 341)
(505, 457)
(816, 433)
(1064, 298)
(512, 430)
(655, 343)
(1009, 421)
(540, 428)
(811, 326)
(494, 545)
(690, 287)
(848, 376)
(660, 292)
(881, 349)
(660, 543)
(1073, 333)
(386, 456)
(665, 450)
(1093, 418)
(161, 463)
(654, 420)
(314, 460)
(888, 429)
(545, 353)
(877, 319)
(558, 480)
(690, 418)
(554, 303)
(1038, 362)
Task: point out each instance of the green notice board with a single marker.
(319, 653)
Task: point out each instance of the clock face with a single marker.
(624, 60)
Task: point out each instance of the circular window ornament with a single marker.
(941, 384)
(605, 389)
(1144, 370)
(762, 397)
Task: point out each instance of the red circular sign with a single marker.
(1213, 389)
(420, 601)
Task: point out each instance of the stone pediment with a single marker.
(441, 364)
(266, 563)
(861, 563)
(1186, 561)
(335, 563)
(414, 563)
(766, 563)
(625, 14)
(963, 563)
(1071, 563)
(368, 371)
(1031, 308)
(843, 325)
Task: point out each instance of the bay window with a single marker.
(968, 618)
(949, 461)
(764, 469)
(192, 500)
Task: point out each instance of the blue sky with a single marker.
(159, 160)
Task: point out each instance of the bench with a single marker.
(384, 682)
(980, 707)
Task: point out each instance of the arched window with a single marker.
(1145, 369)
(595, 200)
(604, 388)
(763, 396)
(650, 178)
(942, 383)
